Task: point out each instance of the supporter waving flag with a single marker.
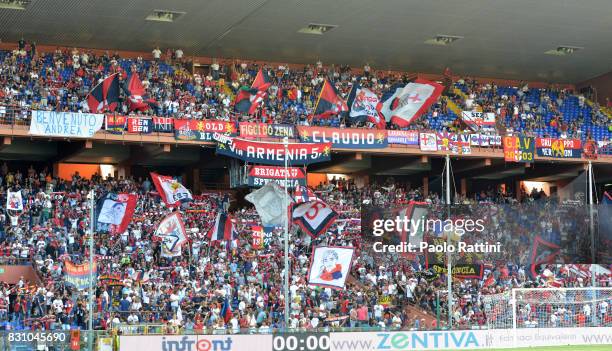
(14, 201)
(172, 192)
(223, 228)
(226, 310)
(105, 95)
(270, 202)
(247, 100)
(304, 194)
(137, 98)
(290, 93)
(314, 217)
(262, 81)
(171, 231)
(604, 246)
(542, 252)
(329, 103)
(409, 102)
(115, 212)
(363, 104)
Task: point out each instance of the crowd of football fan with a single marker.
(61, 80)
(136, 285)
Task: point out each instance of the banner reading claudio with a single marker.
(65, 124)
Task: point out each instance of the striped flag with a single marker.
(304, 194)
(226, 311)
(247, 100)
(171, 231)
(314, 217)
(105, 95)
(329, 102)
(223, 229)
(489, 281)
(409, 102)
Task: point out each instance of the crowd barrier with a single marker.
(308, 340)
(381, 340)
(68, 124)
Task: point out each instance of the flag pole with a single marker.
(91, 262)
(449, 265)
(319, 97)
(286, 279)
(592, 235)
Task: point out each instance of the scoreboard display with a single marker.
(301, 342)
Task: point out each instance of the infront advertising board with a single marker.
(196, 343)
(373, 341)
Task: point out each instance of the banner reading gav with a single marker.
(346, 138)
(272, 153)
(518, 149)
(201, 130)
(260, 175)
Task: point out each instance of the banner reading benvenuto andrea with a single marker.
(65, 124)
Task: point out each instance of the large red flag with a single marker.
(329, 103)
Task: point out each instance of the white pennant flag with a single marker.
(171, 231)
(270, 201)
(14, 201)
(409, 102)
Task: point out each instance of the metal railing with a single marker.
(15, 115)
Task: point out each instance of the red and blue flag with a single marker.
(329, 102)
(105, 95)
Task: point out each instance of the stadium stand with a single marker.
(229, 287)
(62, 79)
